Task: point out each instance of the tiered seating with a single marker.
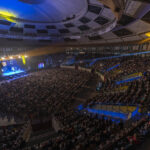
(52, 93)
(12, 137)
(137, 91)
(133, 137)
(40, 93)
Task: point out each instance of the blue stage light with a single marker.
(11, 67)
(108, 113)
(128, 80)
(13, 73)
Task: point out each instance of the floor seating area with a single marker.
(51, 93)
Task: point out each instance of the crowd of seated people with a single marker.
(85, 56)
(38, 94)
(103, 65)
(80, 132)
(11, 137)
(88, 131)
(137, 91)
(133, 136)
(57, 59)
(48, 92)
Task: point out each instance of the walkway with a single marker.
(88, 91)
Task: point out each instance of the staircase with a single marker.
(40, 137)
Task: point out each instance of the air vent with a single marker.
(14, 39)
(84, 27)
(30, 34)
(126, 20)
(46, 41)
(51, 27)
(29, 26)
(101, 20)
(42, 31)
(16, 29)
(85, 20)
(64, 31)
(94, 9)
(70, 40)
(69, 25)
(94, 38)
(122, 32)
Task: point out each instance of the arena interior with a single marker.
(74, 74)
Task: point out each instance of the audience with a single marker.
(40, 93)
(52, 92)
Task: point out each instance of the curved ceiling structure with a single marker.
(74, 21)
(43, 11)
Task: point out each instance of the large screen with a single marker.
(41, 65)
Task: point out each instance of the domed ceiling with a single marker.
(74, 21)
(43, 11)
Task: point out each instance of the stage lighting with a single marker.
(9, 16)
(11, 57)
(23, 60)
(3, 58)
(147, 34)
(4, 63)
(25, 56)
(19, 56)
